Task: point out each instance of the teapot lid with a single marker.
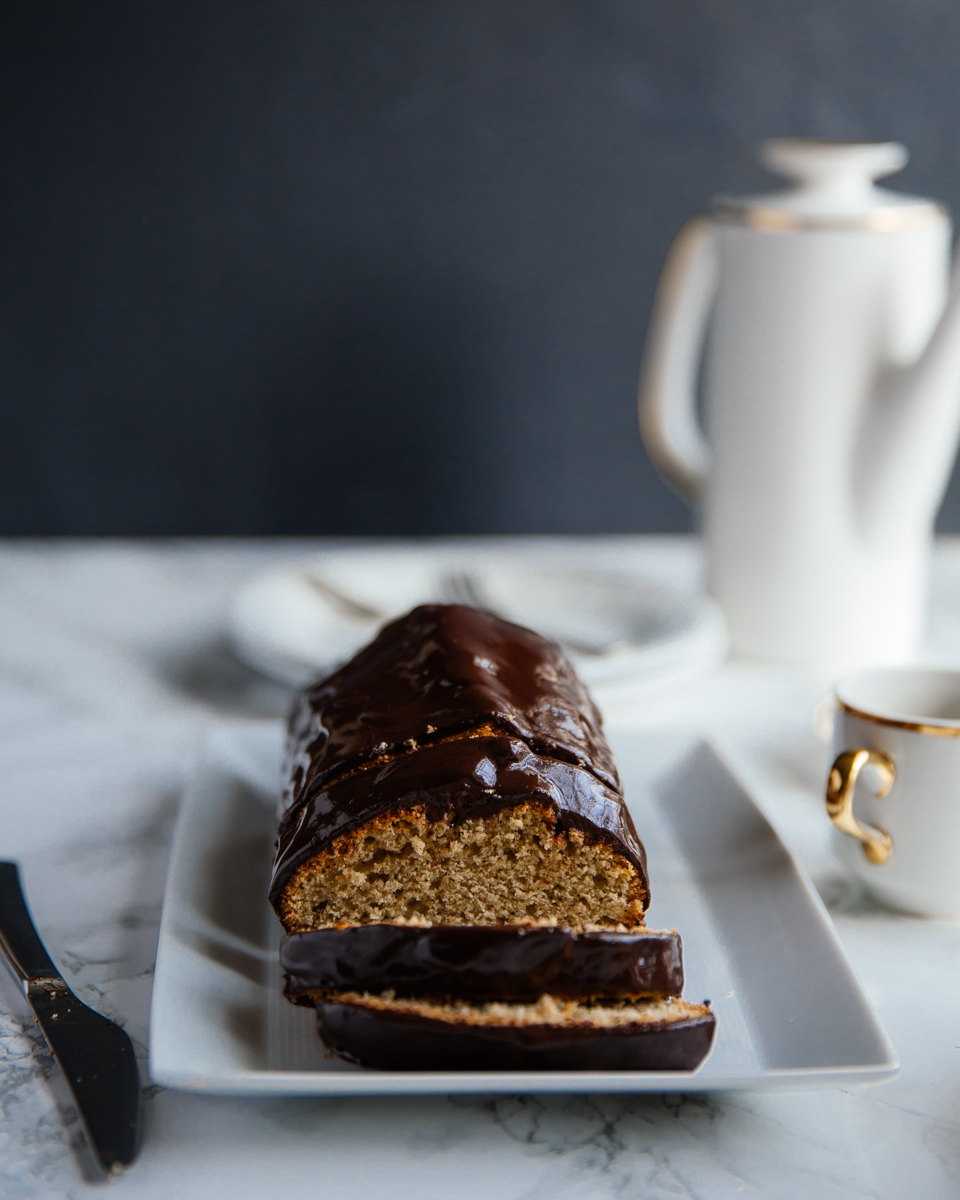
(833, 188)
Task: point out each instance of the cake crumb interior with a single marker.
(515, 866)
(548, 1010)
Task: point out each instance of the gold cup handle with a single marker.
(877, 843)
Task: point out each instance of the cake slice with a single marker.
(486, 962)
(663, 1034)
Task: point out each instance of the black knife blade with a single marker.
(95, 1056)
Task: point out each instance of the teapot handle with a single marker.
(666, 396)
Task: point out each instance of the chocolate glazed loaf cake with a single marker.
(454, 853)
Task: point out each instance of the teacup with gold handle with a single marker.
(893, 788)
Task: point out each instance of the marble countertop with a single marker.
(113, 665)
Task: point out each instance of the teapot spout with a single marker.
(913, 427)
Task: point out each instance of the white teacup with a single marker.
(901, 728)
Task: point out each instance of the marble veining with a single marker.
(113, 665)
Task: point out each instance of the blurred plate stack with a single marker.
(299, 621)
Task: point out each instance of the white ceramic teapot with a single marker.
(831, 402)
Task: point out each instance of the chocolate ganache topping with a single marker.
(439, 671)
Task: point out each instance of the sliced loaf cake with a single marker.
(460, 880)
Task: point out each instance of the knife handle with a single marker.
(19, 940)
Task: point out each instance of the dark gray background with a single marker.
(383, 266)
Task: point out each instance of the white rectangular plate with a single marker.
(757, 942)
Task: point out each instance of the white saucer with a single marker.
(293, 628)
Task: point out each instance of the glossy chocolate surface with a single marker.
(463, 779)
(499, 962)
(443, 669)
(395, 1041)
